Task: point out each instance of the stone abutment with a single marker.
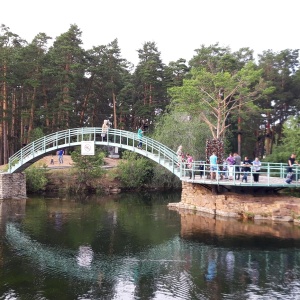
(12, 186)
(203, 198)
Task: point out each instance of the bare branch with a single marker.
(210, 125)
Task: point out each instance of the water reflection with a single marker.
(134, 247)
(238, 233)
(212, 266)
(12, 208)
(85, 256)
(230, 260)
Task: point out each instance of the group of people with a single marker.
(187, 159)
(60, 153)
(233, 166)
(105, 128)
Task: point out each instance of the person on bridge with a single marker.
(247, 163)
(238, 160)
(179, 155)
(231, 162)
(291, 162)
(224, 170)
(256, 169)
(190, 161)
(213, 160)
(105, 127)
(140, 134)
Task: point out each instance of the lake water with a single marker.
(131, 246)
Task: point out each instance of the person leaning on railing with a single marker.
(291, 163)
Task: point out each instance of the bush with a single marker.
(87, 168)
(134, 170)
(163, 178)
(36, 179)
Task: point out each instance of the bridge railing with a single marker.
(129, 140)
(269, 171)
(72, 137)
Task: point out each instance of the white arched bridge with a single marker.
(271, 175)
(46, 145)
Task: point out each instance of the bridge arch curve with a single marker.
(64, 139)
(271, 174)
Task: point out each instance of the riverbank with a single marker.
(60, 175)
(68, 162)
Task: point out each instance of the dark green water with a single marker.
(133, 247)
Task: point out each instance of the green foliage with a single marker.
(215, 58)
(36, 134)
(178, 128)
(52, 88)
(163, 178)
(87, 168)
(290, 142)
(150, 92)
(134, 170)
(291, 131)
(36, 179)
(214, 97)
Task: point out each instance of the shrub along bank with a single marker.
(87, 175)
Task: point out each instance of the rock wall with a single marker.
(198, 197)
(12, 186)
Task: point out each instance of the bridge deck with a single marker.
(264, 181)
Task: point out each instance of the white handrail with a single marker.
(74, 137)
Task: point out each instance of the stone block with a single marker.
(12, 186)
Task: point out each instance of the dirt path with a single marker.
(67, 161)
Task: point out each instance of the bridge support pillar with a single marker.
(12, 186)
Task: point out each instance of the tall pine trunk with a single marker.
(4, 118)
(115, 109)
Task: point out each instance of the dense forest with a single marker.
(218, 93)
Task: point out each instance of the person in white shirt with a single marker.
(256, 169)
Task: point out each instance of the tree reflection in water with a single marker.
(137, 248)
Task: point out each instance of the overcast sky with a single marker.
(177, 27)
